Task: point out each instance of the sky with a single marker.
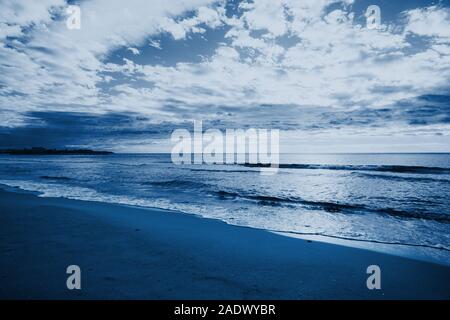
(136, 70)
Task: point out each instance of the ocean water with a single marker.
(401, 200)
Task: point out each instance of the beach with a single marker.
(127, 252)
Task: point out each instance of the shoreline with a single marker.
(127, 252)
(411, 251)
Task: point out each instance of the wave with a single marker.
(271, 200)
(399, 178)
(55, 178)
(223, 170)
(268, 200)
(378, 168)
(176, 184)
(335, 207)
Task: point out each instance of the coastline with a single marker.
(141, 253)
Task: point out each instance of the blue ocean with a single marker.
(399, 200)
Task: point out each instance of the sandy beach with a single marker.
(136, 253)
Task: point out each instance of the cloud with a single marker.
(59, 66)
(134, 51)
(155, 44)
(9, 31)
(76, 129)
(297, 65)
(433, 21)
(23, 13)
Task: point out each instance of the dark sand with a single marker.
(127, 252)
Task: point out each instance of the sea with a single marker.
(398, 203)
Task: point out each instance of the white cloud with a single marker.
(134, 51)
(267, 15)
(336, 64)
(57, 66)
(24, 13)
(330, 61)
(9, 31)
(432, 21)
(155, 44)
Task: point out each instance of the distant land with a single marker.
(44, 151)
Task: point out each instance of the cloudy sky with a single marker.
(138, 69)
